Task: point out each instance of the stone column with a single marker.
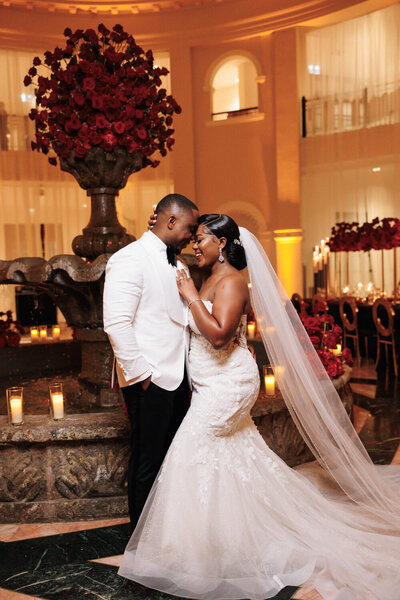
(183, 154)
(287, 217)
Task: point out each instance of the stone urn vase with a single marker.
(102, 174)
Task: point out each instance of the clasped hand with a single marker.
(186, 286)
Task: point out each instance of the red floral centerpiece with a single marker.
(378, 234)
(101, 109)
(325, 336)
(10, 330)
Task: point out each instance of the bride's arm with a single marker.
(231, 295)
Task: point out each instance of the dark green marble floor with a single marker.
(57, 567)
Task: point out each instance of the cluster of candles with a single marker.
(39, 334)
(15, 406)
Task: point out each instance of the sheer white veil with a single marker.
(313, 401)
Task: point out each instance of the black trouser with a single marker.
(155, 415)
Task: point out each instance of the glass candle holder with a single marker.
(43, 333)
(56, 331)
(34, 335)
(56, 401)
(15, 406)
(251, 330)
(269, 380)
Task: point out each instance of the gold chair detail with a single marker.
(349, 314)
(385, 333)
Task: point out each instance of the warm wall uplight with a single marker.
(376, 169)
(288, 257)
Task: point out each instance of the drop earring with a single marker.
(221, 258)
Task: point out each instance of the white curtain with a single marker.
(350, 159)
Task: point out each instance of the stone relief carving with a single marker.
(21, 479)
(82, 473)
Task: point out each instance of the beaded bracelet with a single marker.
(196, 300)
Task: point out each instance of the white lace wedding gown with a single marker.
(228, 519)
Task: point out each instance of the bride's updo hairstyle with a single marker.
(224, 226)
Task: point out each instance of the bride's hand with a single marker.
(186, 286)
(152, 219)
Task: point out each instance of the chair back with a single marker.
(296, 301)
(317, 298)
(383, 308)
(348, 313)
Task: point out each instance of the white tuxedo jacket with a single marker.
(144, 315)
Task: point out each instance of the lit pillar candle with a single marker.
(251, 330)
(56, 333)
(43, 333)
(57, 401)
(34, 335)
(269, 380)
(16, 410)
(15, 406)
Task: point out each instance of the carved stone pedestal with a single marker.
(65, 470)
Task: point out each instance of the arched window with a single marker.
(234, 88)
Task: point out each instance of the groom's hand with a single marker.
(145, 383)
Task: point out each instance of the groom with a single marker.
(145, 320)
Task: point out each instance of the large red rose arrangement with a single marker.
(101, 90)
(10, 330)
(379, 234)
(325, 336)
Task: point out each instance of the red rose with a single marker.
(27, 80)
(119, 127)
(97, 102)
(347, 357)
(101, 121)
(78, 98)
(94, 138)
(89, 84)
(109, 142)
(315, 340)
(53, 161)
(141, 133)
(75, 122)
(3, 341)
(80, 150)
(334, 368)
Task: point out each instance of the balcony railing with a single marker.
(322, 116)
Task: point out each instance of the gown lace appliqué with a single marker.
(227, 519)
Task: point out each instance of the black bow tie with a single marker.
(171, 255)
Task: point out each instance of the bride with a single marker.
(227, 518)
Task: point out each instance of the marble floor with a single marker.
(79, 560)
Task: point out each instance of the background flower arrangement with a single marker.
(101, 90)
(379, 234)
(325, 336)
(10, 330)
